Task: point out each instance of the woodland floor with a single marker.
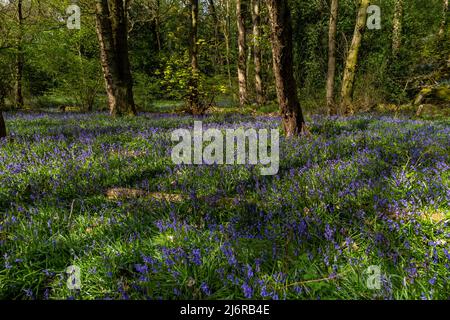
(104, 195)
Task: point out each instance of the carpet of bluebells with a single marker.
(359, 192)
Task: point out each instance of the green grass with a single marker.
(363, 191)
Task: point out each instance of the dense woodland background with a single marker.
(45, 65)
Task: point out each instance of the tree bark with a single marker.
(352, 60)
(112, 32)
(242, 56)
(331, 107)
(213, 11)
(158, 24)
(281, 27)
(19, 58)
(2, 126)
(397, 28)
(193, 97)
(256, 18)
(444, 18)
(226, 34)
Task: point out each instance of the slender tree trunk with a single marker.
(158, 24)
(242, 57)
(352, 59)
(248, 61)
(19, 58)
(2, 126)
(226, 34)
(444, 18)
(281, 26)
(397, 28)
(331, 107)
(84, 96)
(112, 32)
(213, 11)
(256, 18)
(194, 98)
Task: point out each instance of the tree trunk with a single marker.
(226, 34)
(352, 60)
(397, 28)
(281, 26)
(2, 126)
(193, 97)
(158, 24)
(19, 59)
(242, 57)
(213, 11)
(444, 18)
(112, 32)
(256, 18)
(331, 107)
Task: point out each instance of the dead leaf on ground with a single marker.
(128, 193)
(124, 193)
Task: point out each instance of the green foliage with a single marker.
(61, 62)
(147, 90)
(177, 76)
(380, 77)
(360, 191)
(75, 71)
(5, 77)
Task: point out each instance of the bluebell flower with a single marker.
(432, 281)
(248, 291)
(407, 245)
(298, 289)
(123, 293)
(264, 292)
(46, 294)
(205, 289)
(141, 268)
(29, 293)
(447, 254)
(249, 272)
(196, 257)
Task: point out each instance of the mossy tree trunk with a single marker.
(397, 28)
(352, 60)
(282, 51)
(331, 107)
(194, 94)
(112, 32)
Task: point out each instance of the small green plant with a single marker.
(177, 78)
